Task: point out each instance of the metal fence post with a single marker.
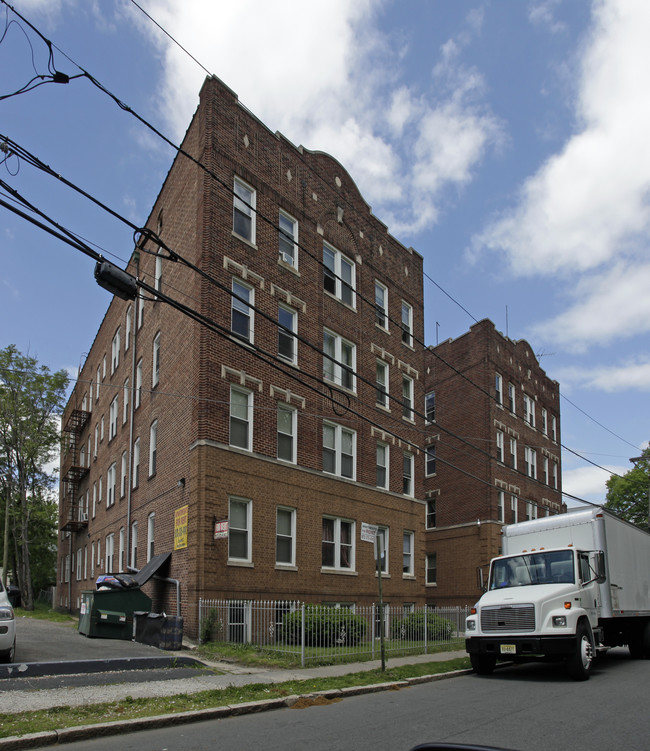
(302, 636)
(200, 614)
(426, 631)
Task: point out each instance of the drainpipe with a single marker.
(129, 478)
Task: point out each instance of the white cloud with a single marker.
(633, 375)
(589, 482)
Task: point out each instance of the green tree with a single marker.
(629, 495)
(31, 398)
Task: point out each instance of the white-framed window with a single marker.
(381, 383)
(500, 446)
(512, 405)
(530, 510)
(381, 543)
(287, 431)
(381, 305)
(407, 324)
(112, 418)
(153, 448)
(338, 549)
(430, 406)
(498, 388)
(158, 271)
(501, 504)
(134, 545)
(339, 275)
(124, 469)
(103, 367)
(432, 569)
(555, 475)
(285, 536)
(115, 350)
(287, 328)
(242, 319)
(339, 360)
(151, 535)
(513, 453)
(545, 470)
(240, 519)
(94, 500)
(530, 461)
(92, 560)
(99, 378)
(431, 513)
(339, 450)
(100, 490)
(514, 508)
(408, 547)
(120, 556)
(544, 416)
(382, 478)
(128, 322)
(136, 462)
(111, 485)
(126, 400)
(110, 553)
(85, 561)
(407, 474)
(529, 410)
(430, 460)
(102, 424)
(407, 398)
(288, 239)
(155, 361)
(79, 563)
(241, 418)
(138, 383)
(553, 428)
(243, 223)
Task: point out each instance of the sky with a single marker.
(504, 140)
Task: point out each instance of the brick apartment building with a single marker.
(487, 391)
(253, 450)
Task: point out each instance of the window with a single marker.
(285, 536)
(430, 407)
(545, 470)
(79, 561)
(151, 530)
(553, 428)
(514, 506)
(100, 490)
(120, 559)
(288, 239)
(241, 418)
(431, 513)
(498, 389)
(432, 569)
(111, 485)
(134, 545)
(530, 462)
(511, 398)
(407, 553)
(339, 360)
(287, 342)
(153, 447)
(242, 312)
(501, 502)
(103, 367)
(138, 383)
(529, 410)
(430, 460)
(96, 441)
(337, 544)
(85, 561)
(125, 409)
(407, 324)
(381, 543)
(530, 510)
(338, 275)
(157, 276)
(381, 383)
(136, 462)
(407, 474)
(92, 560)
(102, 423)
(339, 450)
(123, 474)
(110, 553)
(500, 446)
(244, 211)
(239, 529)
(544, 422)
(555, 475)
(513, 453)
(97, 384)
(112, 419)
(94, 499)
(140, 310)
(382, 466)
(407, 398)
(287, 421)
(115, 351)
(155, 363)
(381, 306)
(127, 328)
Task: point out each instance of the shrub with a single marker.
(412, 627)
(324, 627)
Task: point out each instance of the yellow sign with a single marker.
(180, 528)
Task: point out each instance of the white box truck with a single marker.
(565, 587)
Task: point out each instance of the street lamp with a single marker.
(634, 461)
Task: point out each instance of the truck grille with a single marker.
(508, 618)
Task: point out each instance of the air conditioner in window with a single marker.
(286, 258)
(84, 516)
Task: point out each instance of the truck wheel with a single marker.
(639, 643)
(579, 663)
(8, 654)
(483, 664)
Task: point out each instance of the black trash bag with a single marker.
(127, 581)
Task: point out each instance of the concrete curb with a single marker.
(119, 727)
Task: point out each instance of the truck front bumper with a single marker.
(507, 647)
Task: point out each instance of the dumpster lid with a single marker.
(152, 568)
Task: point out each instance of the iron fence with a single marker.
(312, 632)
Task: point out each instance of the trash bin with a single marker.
(158, 630)
(109, 613)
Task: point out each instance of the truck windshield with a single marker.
(533, 568)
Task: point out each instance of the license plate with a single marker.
(508, 649)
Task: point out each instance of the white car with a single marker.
(7, 628)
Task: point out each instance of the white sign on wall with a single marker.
(368, 532)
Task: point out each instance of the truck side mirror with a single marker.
(599, 567)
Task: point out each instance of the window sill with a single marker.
(341, 571)
(435, 584)
(338, 300)
(285, 567)
(240, 563)
(383, 575)
(409, 577)
(288, 266)
(243, 239)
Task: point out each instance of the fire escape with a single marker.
(73, 515)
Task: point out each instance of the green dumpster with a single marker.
(108, 614)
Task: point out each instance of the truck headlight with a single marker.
(559, 620)
(470, 625)
(6, 613)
